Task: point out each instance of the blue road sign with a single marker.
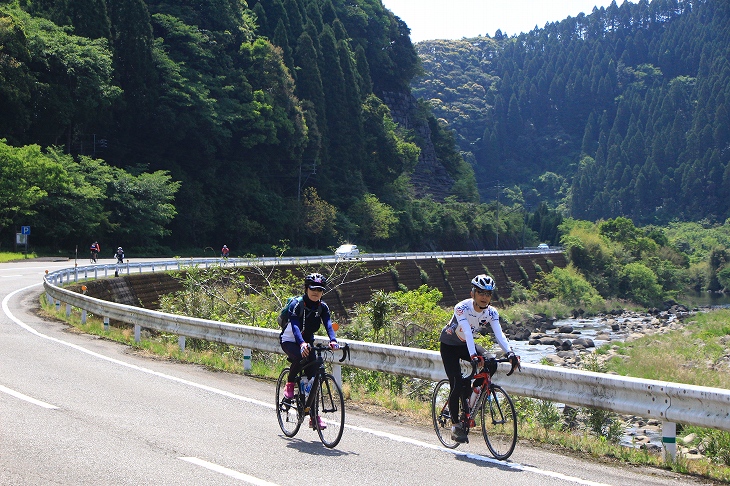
(25, 230)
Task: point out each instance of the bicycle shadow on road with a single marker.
(485, 461)
(313, 447)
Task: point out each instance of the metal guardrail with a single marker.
(127, 268)
(669, 402)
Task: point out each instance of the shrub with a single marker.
(640, 283)
(568, 285)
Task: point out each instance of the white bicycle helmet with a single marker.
(484, 282)
(315, 281)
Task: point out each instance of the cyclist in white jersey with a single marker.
(457, 343)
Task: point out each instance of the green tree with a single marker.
(568, 285)
(319, 216)
(639, 283)
(26, 175)
(375, 219)
(142, 206)
(73, 84)
(16, 79)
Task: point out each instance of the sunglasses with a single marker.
(483, 292)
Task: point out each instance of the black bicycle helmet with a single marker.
(315, 281)
(483, 282)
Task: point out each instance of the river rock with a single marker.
(585, 342)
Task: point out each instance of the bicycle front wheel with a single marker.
(440, 413)
(287, 412)
(329, 406)
(499, 423)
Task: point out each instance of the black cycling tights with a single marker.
(450, 355)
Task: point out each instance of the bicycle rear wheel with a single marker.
(329, 406)
(440, 413)
(287, 412)
(499, 423)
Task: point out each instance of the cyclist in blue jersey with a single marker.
(298, 336)
(457, 343)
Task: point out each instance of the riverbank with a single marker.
(605, 342)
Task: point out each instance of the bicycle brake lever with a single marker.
(345, 352)
(515, 367)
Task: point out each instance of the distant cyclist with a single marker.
(298, 336)
(457, 343)
(95, 250)
(120, 255)
(225, 251)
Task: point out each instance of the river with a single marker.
(595, 327)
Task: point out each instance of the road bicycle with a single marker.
(489, 407)
(323, 399)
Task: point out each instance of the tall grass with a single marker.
(696, 355)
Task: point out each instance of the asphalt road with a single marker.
(78, 410)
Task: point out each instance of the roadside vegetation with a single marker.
(9, 256)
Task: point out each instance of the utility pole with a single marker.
(524, 224)
(499, 187)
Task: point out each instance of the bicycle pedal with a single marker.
(472, 423)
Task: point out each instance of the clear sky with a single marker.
(454, 19)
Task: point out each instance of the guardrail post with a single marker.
(137, 333)
(58, 305)
(181, 343)
(83, 316)
(49, 299)
(337, 373)
(246, 359)
(68, 310)
(669, 440)
(106, 323)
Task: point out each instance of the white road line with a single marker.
(386, 435)
(27, 398)
(228, 472)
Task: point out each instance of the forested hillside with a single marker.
(620, 112)
(219, 122)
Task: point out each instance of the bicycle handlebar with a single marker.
(320, 348)
(496, 360)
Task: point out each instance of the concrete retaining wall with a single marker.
(452, 276)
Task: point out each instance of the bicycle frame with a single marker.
(492, 410)
(486, 389)
(317, 361)
(324, 403)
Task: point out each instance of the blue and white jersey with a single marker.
(466, 320)
(305, 319)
